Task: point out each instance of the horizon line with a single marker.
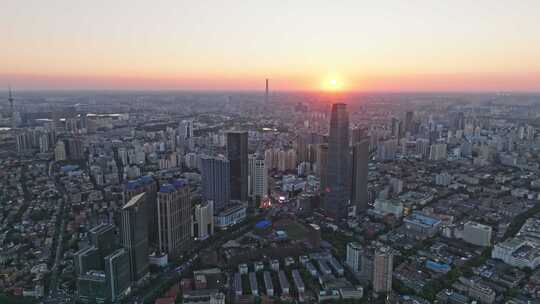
(262, 91)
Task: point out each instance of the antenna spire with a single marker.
(12, 108)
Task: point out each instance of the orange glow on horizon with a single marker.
(331, 85)
(299, 45)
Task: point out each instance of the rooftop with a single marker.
(167, 188)
(133, 201)
(423, 219)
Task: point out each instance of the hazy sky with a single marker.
(201, 44)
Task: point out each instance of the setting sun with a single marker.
(332, 84)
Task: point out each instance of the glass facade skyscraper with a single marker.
(216, 184)
(337, 190)
(134, 235)
(237, 153)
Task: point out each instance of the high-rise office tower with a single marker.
(75, 149)
(321, 164)
(103, 237)
(174, 217)
(117, 273)
(237, 153)
(87, 259)
(258, 176)
(301, 148)
(396, 128)
(409, 116)
(360, 159)
(338, 171)
(310, 141)
(216, 181)
(134, 235)
(203, 220)
(92, 287)
(359, 134)
(145, 184)
(382, 270)
(186, 129)
(103, 271)
(354, 256)
(458, 121)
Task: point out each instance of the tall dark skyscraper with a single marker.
(360, 159)
(216, 185)
(409, 116)
(459, 121)
(75, 148)
(148, 185)
(104, 239)
(237, 153)
(117, 273)
(338, 170)
(397, 129)
(103, 270)
(134, 235)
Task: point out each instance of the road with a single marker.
(27, 197)
(59, 237)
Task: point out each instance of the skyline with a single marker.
(205, 45)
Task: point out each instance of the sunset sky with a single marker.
(298, 44)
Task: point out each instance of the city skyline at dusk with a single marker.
(243, 152)
(207, 45)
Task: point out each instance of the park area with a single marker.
(294, 230)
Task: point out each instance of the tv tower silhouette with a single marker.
(12, 108)
(266, 92)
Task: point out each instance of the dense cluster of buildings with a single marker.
(290, 200)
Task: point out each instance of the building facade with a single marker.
(337, 192)
(203, 220)
(354, 256)
(216, 184)
(117, 273)
(477, 234)
(237, 154)
(230, 216)
(134, 235)
(174, 218)
(148, 185)
(382, 270)
(258, 176)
